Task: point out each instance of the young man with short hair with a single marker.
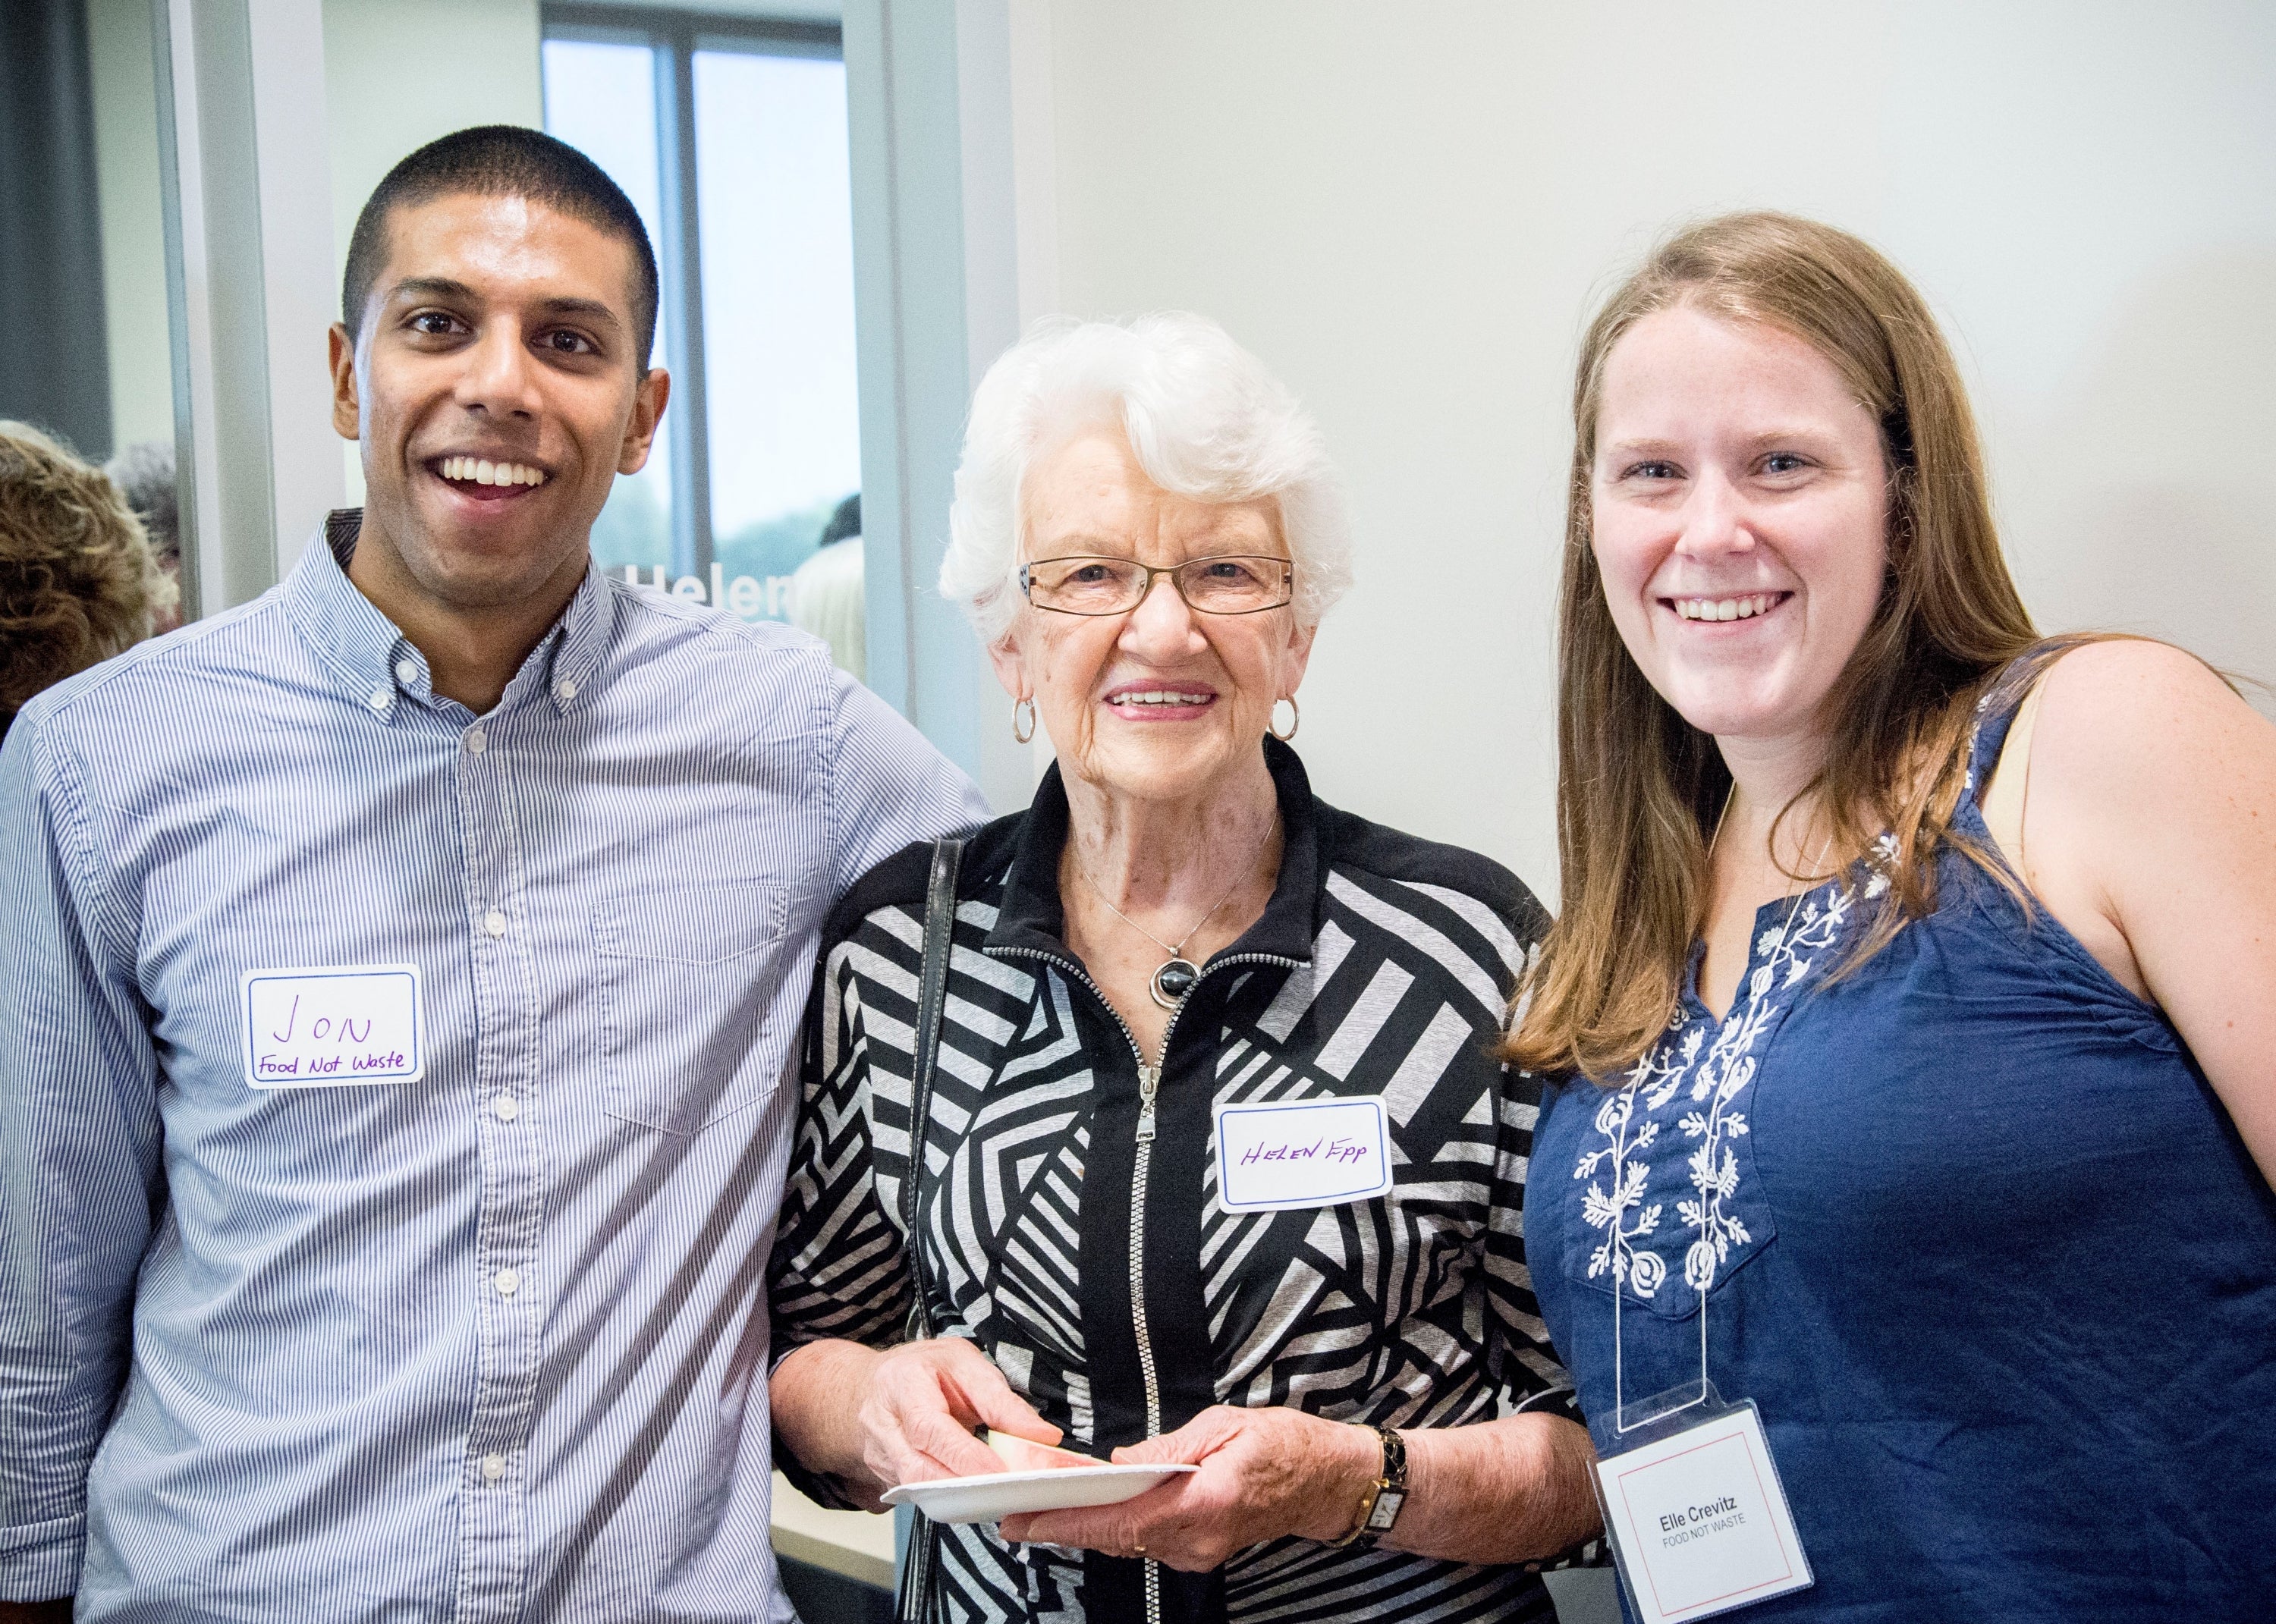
(403, 972)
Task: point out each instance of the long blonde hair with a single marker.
(1638, 787)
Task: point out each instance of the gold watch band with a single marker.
(1390, 1478)
(1359, 1523)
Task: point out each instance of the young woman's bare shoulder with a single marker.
(2130, 715)
(2159, 801)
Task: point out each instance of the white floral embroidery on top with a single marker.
(1975, 740)
(1880, 858)
(1717, 1074)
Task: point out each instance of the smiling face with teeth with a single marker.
(496, 395)
(1160, 703)
(1740, 514)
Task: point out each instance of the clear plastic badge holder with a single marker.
(1694, 1555)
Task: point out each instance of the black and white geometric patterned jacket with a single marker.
(1381, 966)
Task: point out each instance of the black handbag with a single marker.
(915, 1590)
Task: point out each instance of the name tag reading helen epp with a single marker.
(333, 1025)
(1285, 1154)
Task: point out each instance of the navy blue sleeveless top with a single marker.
(1976, 1237)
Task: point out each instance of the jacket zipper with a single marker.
(1150, 1085)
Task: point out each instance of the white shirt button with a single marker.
(505, 1108)
(508, 1281)
(477, 741)
(494, 922)
(564, 689)
(408, 669)
(380, 698)
(493, 1467)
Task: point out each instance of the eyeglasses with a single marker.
(1232, 584)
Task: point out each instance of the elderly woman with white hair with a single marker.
(1218, 1169)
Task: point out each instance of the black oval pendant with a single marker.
(1173, 981)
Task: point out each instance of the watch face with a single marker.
(1386, 1510)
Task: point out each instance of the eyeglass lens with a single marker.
(1097, 586)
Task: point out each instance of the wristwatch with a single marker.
(1380, 1504)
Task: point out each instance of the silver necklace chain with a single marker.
(1178, 951)
(1808, 884)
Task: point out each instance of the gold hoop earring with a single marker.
(1021, 737)
(1296, 718)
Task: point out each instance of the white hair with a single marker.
(1203, 416)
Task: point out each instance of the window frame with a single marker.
(673, 37)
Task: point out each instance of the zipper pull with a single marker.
(1149, 1082)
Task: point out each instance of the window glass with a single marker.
(772, 228)
(775, 196)
(600, 99)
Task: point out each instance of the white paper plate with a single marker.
(994, 1495)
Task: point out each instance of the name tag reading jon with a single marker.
(332, 1026)
(1301, 1153)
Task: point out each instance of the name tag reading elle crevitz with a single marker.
(333, 1025)
(1274, 1156)
(1698, 1519)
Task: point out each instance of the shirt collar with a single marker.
(376, 666)
(1033, 917)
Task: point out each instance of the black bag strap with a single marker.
(932, 995)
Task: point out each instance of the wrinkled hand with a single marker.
(923, 1400)
(1265, 1474)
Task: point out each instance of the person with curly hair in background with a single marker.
(78, 581)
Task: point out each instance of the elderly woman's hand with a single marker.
(1265, 1474)
(921, 1403)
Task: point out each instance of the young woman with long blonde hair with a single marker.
(1912, 1013)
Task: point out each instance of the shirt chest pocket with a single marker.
(685, 978)
(1665, 1184)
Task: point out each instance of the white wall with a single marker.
(1408, 211)
(125, 83)
(398, 74)
(249, 257)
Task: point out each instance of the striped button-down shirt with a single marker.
(485, 1345)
